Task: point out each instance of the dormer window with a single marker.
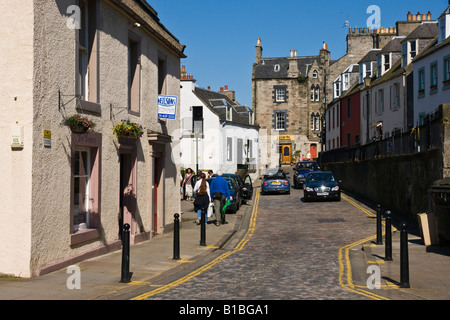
(412, 49)
(384, 63)
(365, 71)
(387, 62)
(337, 89)
(276, 68)
(229, 114)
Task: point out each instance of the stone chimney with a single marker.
(259, 51)
(231, 94)
(293, 71)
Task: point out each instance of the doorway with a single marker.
(127, 192)
(286, 153)
(313, 151)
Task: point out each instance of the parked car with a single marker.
(301, 169)
(234, 192)
(275, 181)
(245, 186)
(321, 185)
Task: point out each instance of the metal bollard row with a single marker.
(404, 258)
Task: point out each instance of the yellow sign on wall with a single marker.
(284, 138)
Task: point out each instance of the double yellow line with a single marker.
(209, 265)
(345, 268)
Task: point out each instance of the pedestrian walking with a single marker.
(202, 197)
(187, 184)
(221, 193)
(209, 174)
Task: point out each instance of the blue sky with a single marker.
(220, 36)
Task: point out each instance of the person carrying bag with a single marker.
(202, 198)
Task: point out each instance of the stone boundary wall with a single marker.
(399, 184)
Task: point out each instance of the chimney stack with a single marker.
(259, 51)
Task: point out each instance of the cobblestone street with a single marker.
(292, 254)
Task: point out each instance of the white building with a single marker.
(65, 195)
(228, 136)
(432, 72)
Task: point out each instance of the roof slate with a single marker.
(216, 101)
(266, 69)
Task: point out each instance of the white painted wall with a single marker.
(16, 96)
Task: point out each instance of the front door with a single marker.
(127, 193)
(313, 151)
(286, 153)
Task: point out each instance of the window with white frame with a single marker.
(421, 81)
(83, 51)
(447, 70)
(337, 89)
(380, 102)
(395, 96)
(229, 113)
(280, 121)
(312, 92)
(404, 54)
(433, 77)
(229, 149)
(412, 49)
(315, 74)
(317, 93)
(379, 66)
(81, 189)
(387, 62)
(280, 94)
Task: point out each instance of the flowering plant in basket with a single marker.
(78, 123)
(126, 128)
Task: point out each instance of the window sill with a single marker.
(446, 87)
(83, 236)
(92, 107)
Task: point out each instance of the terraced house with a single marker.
(66, 194)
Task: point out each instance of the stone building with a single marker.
(290, 95)
(66, 195)
(286, 98)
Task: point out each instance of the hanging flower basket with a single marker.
(126, 128)
(78, 124)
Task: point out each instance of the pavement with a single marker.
(149, 261)
(152, 260)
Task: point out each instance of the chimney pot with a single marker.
(409, 16)
(226, 88)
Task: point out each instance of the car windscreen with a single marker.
(275, 176)
(307, 165)
(322, 177)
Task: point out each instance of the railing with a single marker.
(426, 137)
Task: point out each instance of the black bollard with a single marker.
(126, 274)
(176, 237)
(379, 233)
(203, 228)
(404, 261)
(388, 247)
